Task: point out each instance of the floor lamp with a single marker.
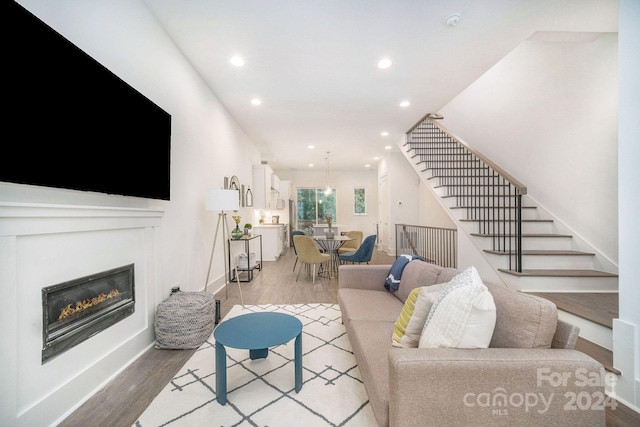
(223, 200)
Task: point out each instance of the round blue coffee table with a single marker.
(256, 332)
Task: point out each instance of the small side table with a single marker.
(256, 332)
(249, 269)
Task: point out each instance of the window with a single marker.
(359, 201)
(314, 206)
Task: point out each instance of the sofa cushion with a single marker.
(522, 320)
(371, 345)
(446, 274)
(359, 304)
(426, 296)
(416, 274)
(463, 316)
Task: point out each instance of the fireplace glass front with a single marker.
(74, 311)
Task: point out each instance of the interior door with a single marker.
(383, 213)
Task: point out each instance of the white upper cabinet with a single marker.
(262, 187)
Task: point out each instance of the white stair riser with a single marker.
(555, 262)
(561, 284)
(532, 243)
(589, 330)
(527, 227)
(492, 213)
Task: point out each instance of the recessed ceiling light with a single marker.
(256, 101)
(311, 147)
(237, 61)
(385, 134)
(310, 165)
(405, 103)
(367, 166)
(385, 63)
(376, 158)
(452, 20)
(388, 147)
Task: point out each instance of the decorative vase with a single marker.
(236, 233)
(329, 234)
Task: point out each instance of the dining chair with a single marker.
(296, 233)
(351, 245)
(363, 254)
(308, 253)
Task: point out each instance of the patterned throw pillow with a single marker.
(405, 316)
(463, 316)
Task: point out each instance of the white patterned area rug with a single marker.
(261, 392)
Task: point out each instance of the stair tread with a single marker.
(601, 354)
(600, 308)
(459, 168)
(471, 185)
(491, 207)
(525, 235)
(483, 196)
(558, 273)
(542, 252)
(457, 177)
(503, 220)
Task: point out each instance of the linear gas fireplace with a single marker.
(76, 310)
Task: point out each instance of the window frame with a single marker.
(319, 220)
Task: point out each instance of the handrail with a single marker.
(434, 116)
(521, 187)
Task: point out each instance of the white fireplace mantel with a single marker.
(22, 219)
(45, 244)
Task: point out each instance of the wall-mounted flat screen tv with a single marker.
(71, 123)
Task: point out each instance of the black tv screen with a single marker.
(71, 123)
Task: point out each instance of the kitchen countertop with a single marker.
(270, 224)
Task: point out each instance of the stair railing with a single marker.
(489, 195)
(435, 244)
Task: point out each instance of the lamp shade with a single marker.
(223, 200)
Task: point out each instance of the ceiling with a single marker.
(313, 63)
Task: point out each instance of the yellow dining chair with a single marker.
(351, 245)
(308, 253)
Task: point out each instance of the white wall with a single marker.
(399, 186)
(547, 113)
(344, 182)
(432, 213)
(626, 329)
(207, 144)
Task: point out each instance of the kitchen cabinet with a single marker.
(272, 240)
(266, 185)
(285, 190)
(262, 193)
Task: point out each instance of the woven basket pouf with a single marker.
(185, 320)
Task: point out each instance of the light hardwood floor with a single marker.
(121, 402)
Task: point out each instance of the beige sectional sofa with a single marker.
(529, 376)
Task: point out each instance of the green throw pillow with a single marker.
(403, 320)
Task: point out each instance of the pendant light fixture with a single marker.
(327, 191)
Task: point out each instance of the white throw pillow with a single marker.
(463, 316)
(426, 297)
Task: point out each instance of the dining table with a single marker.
(331, 246)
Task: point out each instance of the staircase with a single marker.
(528, 249)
